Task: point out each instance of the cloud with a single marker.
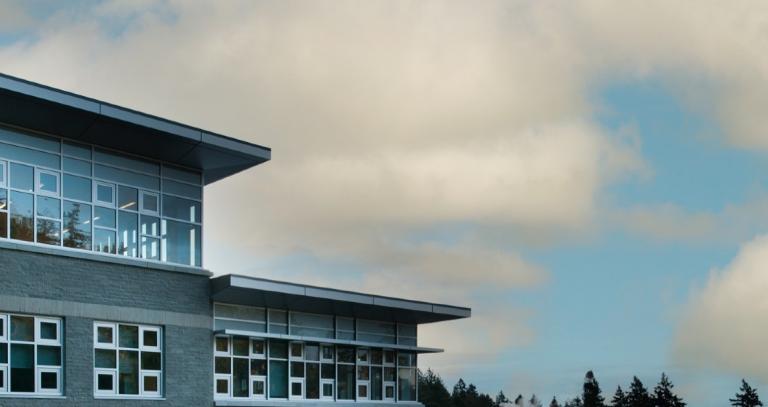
(13, 17)
(725, 324)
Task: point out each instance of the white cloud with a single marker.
(725, 324)
(13, 16)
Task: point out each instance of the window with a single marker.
(406, 376)
(240, 367)
(150, 203)
(128, 360)
(3, 172)
(47, 183)
(30, 354)
(104, 194)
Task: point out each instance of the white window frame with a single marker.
(5, 335)
(333, 352)
(291, 382)
(144, 347)
(41, 341)
(393, 385)
(263, 354)
(150, 373)
(109, 372)
(4, 383)
(367, 385)
(290, 351)
(40, 191)
(38, 382)
(228, 379)
(262, 379)
(102, 345)
(4, 178)
(331, 382)
(142, 209)
(96, 200)
(217, 352)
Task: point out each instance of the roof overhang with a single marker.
(48, 110)
(234, 289)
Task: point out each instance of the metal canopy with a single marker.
(234, 289)
(41, 108)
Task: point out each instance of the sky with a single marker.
(587, 176)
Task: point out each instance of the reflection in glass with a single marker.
(22, 177)
(49, 183)
(106, 358)
(22, 220)
(181, 243)
(127, 233)
(22, 328)
(127, 198)
(104, 241)
(104, 217)
(278, 375)
(77, 188)
(105, 193)
(22, 368)
(48, 207)
(128, 378)
(128, 336)
(77, 225)
(48, 231)
(182, 209)
(240, 377)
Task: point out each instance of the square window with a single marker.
(105, 358)
(258, 367)
(128, 336)
(223, 365)
(22, 177)
(151, 361)
(389, 357)
(127, 198)
(105, 382)
(48, 380)
(22, 328)
(257, 347)
(258, 388)
(327, 389)
(362, 391)
(49, 330)
(222, 344)
(3, 327)
(240, 346)
(150, 384)
(104, 241)
(47, 183)
(297, 369)
(297, 350)
(150, 338)
(389, 392)
(104, 335)
(105, 194)
(297, 389)
(362, 356)
(327, 353)
(222, 386)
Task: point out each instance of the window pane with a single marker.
(22, 368)
(257, 346)
(150, 225)
(312, 352)
(278, 350)
(30, 140)
(150, 338)
(2, 173)
(77, 166)
(77, 188)
(105, 334)
(105, 358)
(181, 174)
(150, 248)
(222, 344)
(297, 369)
(389, 374)
(376, 357)
(346, 355)
(22, 328)
(258, 388)
(49, 355)
(151, 360)
(240, 377)
(150, 384)
(181, 243)
(3, 224)
(182, 209)
(49, 380)
(104, 241)
(76, 150)
(240, 346)
(363, 373)
(127, 234)
(259, 367)
(376, 385)
(223, 365)
(222, 386)
(30, 156)
(346, 383)
(127, 177)
(328, 371)
(313, 381)
(406, 389)
(278, 375)
(77, 225)
(105, 382)
(104, 217)
(22, 177)
(149, 202)
(3, 198)
(22, 221)
(49, 331)
(127, 198)
(128, 379)
(105, 193)
(48, 183)
(48, 207)
(297, 350)
(3, 353)
(48, 231)
(129, 336)
(177, 188)
(131, 163)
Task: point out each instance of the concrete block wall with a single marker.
(82, 291)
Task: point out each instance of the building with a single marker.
(104, 299)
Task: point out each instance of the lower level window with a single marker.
(30, 355)
(128, 360)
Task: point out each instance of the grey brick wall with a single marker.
(31, 279)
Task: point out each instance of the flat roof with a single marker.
(260, 292)
(53, 111)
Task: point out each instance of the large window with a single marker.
(128, 360)
(68, 194)
(30, 354)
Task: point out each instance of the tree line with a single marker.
(433, 393)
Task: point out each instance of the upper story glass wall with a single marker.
(77, 196)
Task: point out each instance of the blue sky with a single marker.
(587, 176)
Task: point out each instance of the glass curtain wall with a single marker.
(61, 193)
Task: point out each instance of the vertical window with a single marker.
(128, 360)
(345, 381)
(3, 202)
(77, 225)
(30, 354)
(390, 375)
(3, 176)
(363, 374)
(406, 376)
(22, 216)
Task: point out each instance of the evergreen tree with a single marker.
(459, 395)
(619, 398)
(592, 394)
(519, 401)
(574, 403)
(534, 401)
(554, 402)
(638, 394)
(747, 397)
(501, 399)
(663, 395)
(432, 391)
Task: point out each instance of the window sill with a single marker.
(311, 403)
(31, 396)
(100, 257)
(107, 397)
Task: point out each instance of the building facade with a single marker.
(104, 298)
